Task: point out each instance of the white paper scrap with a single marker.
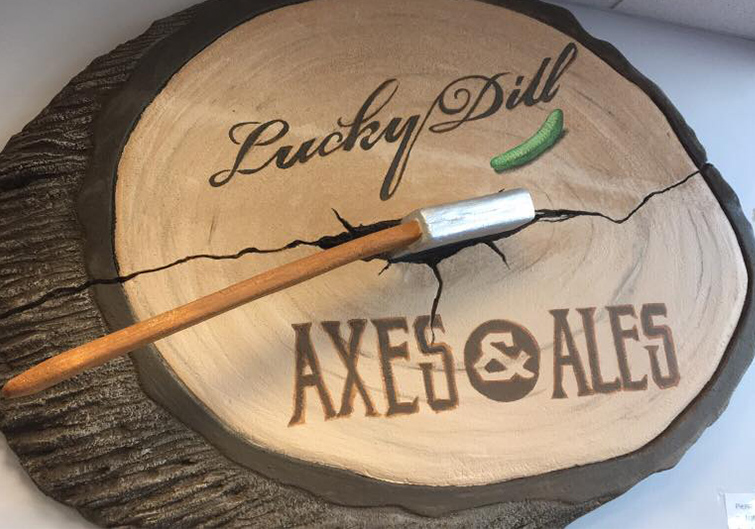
(740, 510)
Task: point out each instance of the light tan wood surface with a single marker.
(314, 63)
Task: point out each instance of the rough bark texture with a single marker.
(97, 442)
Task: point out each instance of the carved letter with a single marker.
(350, 356)
(387, 353)
(420, 332)
(561, 332)
(660, 331)
(598, 385)
(620, 335)
(306, 358)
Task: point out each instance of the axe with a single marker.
(421, 231)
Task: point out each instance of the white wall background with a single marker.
(711, 80)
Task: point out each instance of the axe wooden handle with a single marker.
(70, 363)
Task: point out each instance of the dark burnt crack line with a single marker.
(498, 251)
(436, 299)
(560, 215)
(325, 242)
(431, 259)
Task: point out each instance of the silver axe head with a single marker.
(470, 219)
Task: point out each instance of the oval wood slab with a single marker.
(565, 363)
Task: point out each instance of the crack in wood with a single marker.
(541, 215)
(431, 259)
(560, 215)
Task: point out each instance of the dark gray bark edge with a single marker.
(99, 444)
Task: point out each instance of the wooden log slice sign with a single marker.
(518, 380)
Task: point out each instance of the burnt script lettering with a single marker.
(466, 99)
